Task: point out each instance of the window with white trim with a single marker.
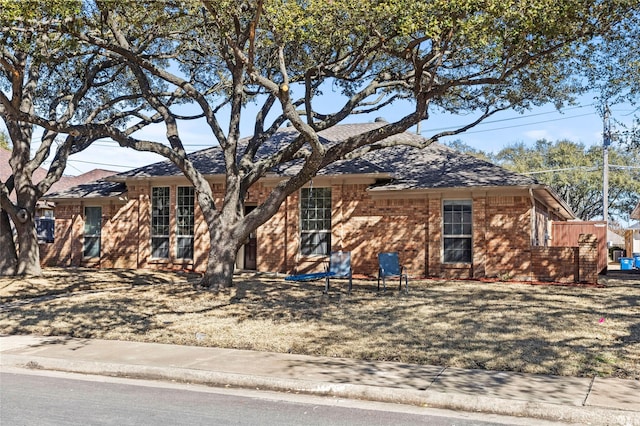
(160, 222)
(457, 231)
(92, 231)
(315, 221)
(185, 204)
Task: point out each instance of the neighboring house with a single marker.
(44, 208)
(632, 235)
(448, 215)
(614, 239)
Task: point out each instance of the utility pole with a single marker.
(606, 141)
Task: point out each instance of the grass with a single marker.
(545, 329)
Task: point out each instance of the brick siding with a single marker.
(362, 224)
(588, 267)
(557, 264)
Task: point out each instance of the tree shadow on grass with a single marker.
(62, 281)
(510, 327)
(513, 327)
(59, 319)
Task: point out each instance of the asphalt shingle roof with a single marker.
(436, 166)
(65, 184)
(96, 189)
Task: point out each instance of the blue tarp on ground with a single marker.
(309, 277)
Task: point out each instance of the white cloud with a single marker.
(538, 134)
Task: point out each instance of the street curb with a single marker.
(425, 398)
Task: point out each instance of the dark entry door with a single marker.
(251, 247)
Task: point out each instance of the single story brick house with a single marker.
(448, 215)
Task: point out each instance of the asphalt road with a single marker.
(49, 398)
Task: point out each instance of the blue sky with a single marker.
(579, 123)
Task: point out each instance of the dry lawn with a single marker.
(561, 330)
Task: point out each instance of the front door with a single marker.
(251, 247)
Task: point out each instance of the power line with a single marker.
(482, 123)
(509, 127)
(110, 143)
(528, 124)
(100, 164)
(624, 167)
(585, 168)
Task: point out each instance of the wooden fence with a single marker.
(566, 234)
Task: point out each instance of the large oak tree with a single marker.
(44, 73)
(286, 58)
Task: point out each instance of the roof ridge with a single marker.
(436, 166)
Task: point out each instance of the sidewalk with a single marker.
(574, 400)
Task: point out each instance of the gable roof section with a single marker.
(635, 214)
(210, 161)
(97, 189)
(614, 238)
(40, 173)
(403, 168)
(436, 166)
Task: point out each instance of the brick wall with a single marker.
(68, 227)
(362, 224)
(273, 237)
(557, 264)
(367, 226)
(508, 237)
(588, 258)
(434, 242)
(480, 255)
(568, 234)
(567, 264)
(370, 226)
(120, 235)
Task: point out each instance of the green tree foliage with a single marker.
(575, 172)
(461, 146)
(611, 65)
(313, 64)
(5, 142)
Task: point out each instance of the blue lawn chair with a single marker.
(339, 267)
(389, 266)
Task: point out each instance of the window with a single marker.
(315, 227)
(92, 228)
(48, 213)
(45, 228)
(457, 221)
(184, 222)
(160, 222)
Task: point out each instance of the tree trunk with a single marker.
(8, 256)
(222, 258)
(28, 250)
